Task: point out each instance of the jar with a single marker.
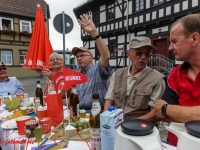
(46, 124)
(30, 126)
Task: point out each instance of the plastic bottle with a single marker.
(39, 93)
(74, 102)
(95, 134)
(37, 104)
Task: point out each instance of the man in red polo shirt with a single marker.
(183, 86)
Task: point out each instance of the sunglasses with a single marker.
(138, 53)
(3, 68)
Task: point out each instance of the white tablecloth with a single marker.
(11, 140)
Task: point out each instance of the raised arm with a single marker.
(89, 27)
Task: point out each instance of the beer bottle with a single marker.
(39, 93)
(74, 102)
(95, 136)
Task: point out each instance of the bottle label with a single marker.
(38, 86)
(96, 109)
(95, 138)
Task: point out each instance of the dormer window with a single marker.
(6, 23)
(25, 26)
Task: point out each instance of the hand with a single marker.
(158, 109)
(88, 25)
(47, 73)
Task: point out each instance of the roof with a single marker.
(24, 7)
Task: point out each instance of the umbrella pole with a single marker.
(67, 108)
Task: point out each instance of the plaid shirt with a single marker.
(98, 83)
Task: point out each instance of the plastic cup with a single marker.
(23, 111)
(82, 113)
(21, 124)
(42, 113)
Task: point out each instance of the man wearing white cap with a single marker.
(7, 84)
(98, 73)
(136, 88)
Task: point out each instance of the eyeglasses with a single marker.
(138, 53)
(3, 68)
(82, 55)
(57, 59)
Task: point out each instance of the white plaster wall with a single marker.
(87, 44)
(154, 15)
(141, 33)
(194, 3)
(121, 39)
(135, 20)
(130, 7)
(93, 52)
(168, 10)
(131, 36)
(125, 23)
(92, 44)
(141, 18)
(176, 8)
(101, 29)
(112, 62)
(147, 4)
(104, 28)
(106, 40)
(103, 7)
(102, 17)
(112, 26)
(118, 13)
(161, 13)
(148, 17)
(120, 24)
(130, 22)
(108, 27)
(116, 25)
(185, 5)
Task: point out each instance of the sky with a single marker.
(73, 38)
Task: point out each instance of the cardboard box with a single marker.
(109, 121)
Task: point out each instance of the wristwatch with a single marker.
(164, 108)
(96, 37)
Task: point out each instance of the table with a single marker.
(11, 140)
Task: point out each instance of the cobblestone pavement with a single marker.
(29, 85)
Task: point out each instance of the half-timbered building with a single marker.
(119, 20)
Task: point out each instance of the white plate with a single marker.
(10, 124)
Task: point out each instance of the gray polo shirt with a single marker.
(97, 83)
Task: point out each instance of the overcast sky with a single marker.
(73, 38)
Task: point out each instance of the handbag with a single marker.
(55, 108)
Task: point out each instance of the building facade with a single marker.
(120, 20)
(16, 26)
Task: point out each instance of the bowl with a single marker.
(13, 103)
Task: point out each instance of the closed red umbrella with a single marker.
(40, 47)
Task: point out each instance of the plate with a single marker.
(10, 124)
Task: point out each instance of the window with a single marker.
(22, 57)
(111, 10)
(6, 23)
(6, 57)
(139, 5)
(155, 2)
(25, 26)
(112, 48)
(96, 15)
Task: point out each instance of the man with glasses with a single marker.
(136, 88)
(98, 73)
(8, 84)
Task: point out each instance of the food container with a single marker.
(30, 126)
(46, 124)
(22, 96)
